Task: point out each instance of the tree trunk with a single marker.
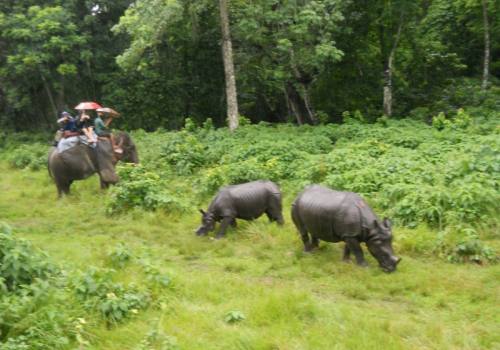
(291, 99)
(486, 64)
(299, 105)
(49, 95)
(388, 74)
(227, 55)
(307, 105)
(302, 100)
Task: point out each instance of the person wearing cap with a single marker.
(67, 122)
(67, 127)
(67, 135)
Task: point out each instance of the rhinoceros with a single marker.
(320, 213)
(246, 201)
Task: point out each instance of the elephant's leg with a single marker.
(355, 248)
(63, 188)
(347, 253)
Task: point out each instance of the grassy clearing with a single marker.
(290, 300)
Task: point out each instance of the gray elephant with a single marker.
(246, 201)
(125, 142)
(82, 161)
(320, 213)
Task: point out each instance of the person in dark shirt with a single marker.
(85, 124)
(67, 130)
(67, 122)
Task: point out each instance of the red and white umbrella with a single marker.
(88, 105)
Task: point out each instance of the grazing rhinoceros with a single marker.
(335, 216)
(247, 201)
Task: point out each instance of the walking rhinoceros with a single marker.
(246, 201)
(333, 216)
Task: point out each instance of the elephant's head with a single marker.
(106, 162)
(129, 155)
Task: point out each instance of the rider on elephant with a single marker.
(84, 123)
(102, 129)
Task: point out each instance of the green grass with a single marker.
(290, 300)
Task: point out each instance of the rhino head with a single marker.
(207, 223)
(380, 245)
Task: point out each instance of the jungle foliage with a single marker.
(159, 62)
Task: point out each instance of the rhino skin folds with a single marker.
(320, 213)
(246, 201)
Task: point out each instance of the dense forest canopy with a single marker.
(160, 61)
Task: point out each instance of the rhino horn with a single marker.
(202, 212)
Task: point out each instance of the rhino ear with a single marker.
(202, 212)
(376, 224)
(387, 222)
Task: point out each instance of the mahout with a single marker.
(82, 161)
(320, 213)
(245, 201)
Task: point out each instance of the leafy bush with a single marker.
(234, 317)
(112, 300)
(140, 188)
(30, 298)
(119, 256)
(32, 156)
(462, 244)
(20, 263)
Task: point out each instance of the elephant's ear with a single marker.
(387, 223)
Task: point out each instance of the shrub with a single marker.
(32, 156)
(119, 256)
(20, 263)
(462, 244)
(140, 188)
(112, 300)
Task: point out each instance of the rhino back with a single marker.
(244, 201)
(366, 214)
(328, 214)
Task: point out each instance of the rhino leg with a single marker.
(233, 223)
(314, 242)
(104, 185)
(309, 244)
(226, 221)
(355, 248)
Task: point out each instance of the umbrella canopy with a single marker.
(88, 105)
(108, 110)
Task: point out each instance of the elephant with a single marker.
(82, 161)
